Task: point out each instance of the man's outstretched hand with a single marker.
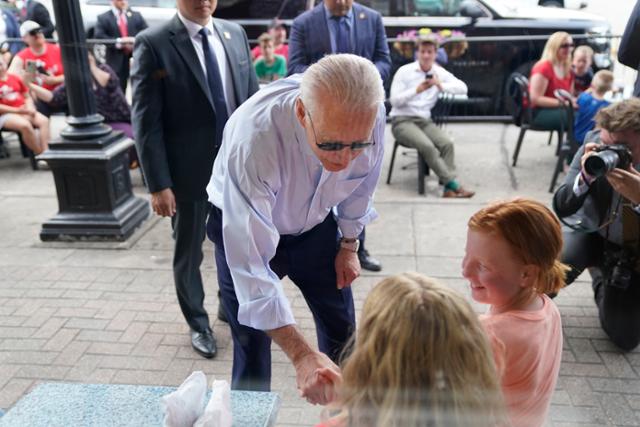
(315, 375)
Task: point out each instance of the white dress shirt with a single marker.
(116, 13)
(268, 182)
(218, 50)
(404, 99)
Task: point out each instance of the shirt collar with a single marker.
(193, 27)
(417, 68)
(116, 12)
(328, 15)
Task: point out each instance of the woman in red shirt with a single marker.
(18, 113)
(551, 72)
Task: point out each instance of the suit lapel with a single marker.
(320, 24)
(131, 29)
(360, 28)
(113, 21)
(232, 57)
(181, 41)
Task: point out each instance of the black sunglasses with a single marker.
(35, 32)
(566, 45)
(336, 146)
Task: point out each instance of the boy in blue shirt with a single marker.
(589, 102)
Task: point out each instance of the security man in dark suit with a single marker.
(340, 26)
(602, 206)
(122, 24)
(188, 76)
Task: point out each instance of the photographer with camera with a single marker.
(600, 203)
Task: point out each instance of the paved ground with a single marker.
(110, 315)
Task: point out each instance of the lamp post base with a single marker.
(94, 190)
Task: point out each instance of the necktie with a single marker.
(343, 36)
(215, 85)
(122, 25)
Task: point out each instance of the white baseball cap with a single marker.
(28, 26)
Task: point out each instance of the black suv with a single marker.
(503, 36)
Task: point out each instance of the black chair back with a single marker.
(519, 99)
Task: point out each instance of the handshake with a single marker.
(318, 378)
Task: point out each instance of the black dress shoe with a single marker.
(204, 343)
(368, 262)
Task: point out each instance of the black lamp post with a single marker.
(89, 161)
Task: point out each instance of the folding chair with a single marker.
(518, 90)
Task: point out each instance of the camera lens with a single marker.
(601, 163)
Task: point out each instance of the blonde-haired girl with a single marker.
(420, 358)
(511, 261)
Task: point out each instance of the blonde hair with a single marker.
(602, 81)
(620, 116)
(533, 232)
(551, 48)
(584, 49)
(420, 357)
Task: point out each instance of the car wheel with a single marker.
(551, 3)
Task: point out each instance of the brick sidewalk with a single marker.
(101, 315)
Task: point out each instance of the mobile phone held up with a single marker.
(428, 76)
(32, 67)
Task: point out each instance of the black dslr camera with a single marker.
(620, 264)
(607, 158)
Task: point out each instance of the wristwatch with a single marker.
(350, 244)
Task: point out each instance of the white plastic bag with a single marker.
(185, 405)
(218, 411)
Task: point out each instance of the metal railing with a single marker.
(486, 65)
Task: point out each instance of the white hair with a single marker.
(349, 81)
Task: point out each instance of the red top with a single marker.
(12, 91)
(50, 62)
(545, 68)
(283, 50)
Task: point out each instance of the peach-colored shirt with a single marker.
(527, 347)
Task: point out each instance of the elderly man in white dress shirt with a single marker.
(414, 92)
(291, 189)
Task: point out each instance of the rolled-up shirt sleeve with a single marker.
(357, 210)
(251, 238)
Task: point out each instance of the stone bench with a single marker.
(61, 404)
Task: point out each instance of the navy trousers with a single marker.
(309, 261)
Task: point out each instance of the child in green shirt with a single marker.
(269, 66)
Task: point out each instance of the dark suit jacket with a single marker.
(310, 40)
(39, 13)
(107, 28)
(173, 116)
(12, 31)
(594, 203)
(629, 50)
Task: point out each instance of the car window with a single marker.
(415, 7)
